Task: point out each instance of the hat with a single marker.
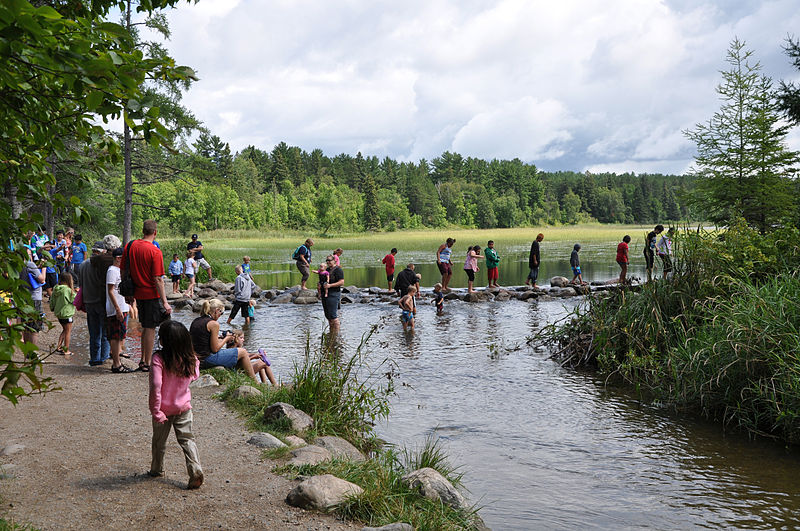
(117, 252)
(99, 246)
(194, 236)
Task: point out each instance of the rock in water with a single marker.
(559, 282)
(283, 298)
(245, 391)
(309, 455)
(206, 293)
(339, 448)
(265, 440)
(434, 486)
(205, 380)
(322, 492)
(305, 300)
(300, 421)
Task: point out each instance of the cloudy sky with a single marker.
(567, 85)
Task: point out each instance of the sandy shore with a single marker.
(87, 452)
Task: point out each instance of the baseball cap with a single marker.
(194, 236)
(99, 246)
(117, 252)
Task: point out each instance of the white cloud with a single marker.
(566, 85)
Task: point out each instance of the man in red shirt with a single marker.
(146, 266)
(389, 261)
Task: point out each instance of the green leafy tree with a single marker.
(372, 220)
(789, 93)
(743, 166)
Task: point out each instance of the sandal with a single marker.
(144, 367)
(125, 355)
(121, 369)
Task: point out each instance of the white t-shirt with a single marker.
(113, 276)
(190, 267)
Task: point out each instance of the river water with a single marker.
(542, 447)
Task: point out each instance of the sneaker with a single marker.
(154, 474)
(195, 482)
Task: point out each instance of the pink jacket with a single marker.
(169, 392)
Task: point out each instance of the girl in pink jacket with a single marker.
(172, 369)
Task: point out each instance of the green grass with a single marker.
(6, 525)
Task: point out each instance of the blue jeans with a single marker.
(99, 347)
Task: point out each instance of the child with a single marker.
(190, 270)
(265, 373)
(622, 258)
(388, 261)
(471, 266)
(575, 263)
(176, 270)
(251, 310)
(409, 307)
(439, 300)
(492, 260)
(246, 266)
(173, 368)
(61, 304)
(324, 276)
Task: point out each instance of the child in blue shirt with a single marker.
(175, 271)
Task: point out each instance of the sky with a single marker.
(567, 85)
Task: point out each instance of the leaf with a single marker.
(94, 100)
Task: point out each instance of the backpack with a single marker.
(296, 254)
(126, 285)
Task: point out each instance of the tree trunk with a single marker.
(127, 221)
(11, 197)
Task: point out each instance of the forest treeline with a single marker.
(205, 186)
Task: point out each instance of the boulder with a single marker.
(339, 448)
(179, 303)
(295, 441)
(374, 290)
(207, 293)
(283, 298)
(265, 440)
(205, 380)
(228, 305)
(397, 526)
(322, 492)
(346, 300)
(256, 291)
(197, 306)
(293, 289)
(451, 296)
(364, 300)
(306, 300)
(11, 449)
(562, 292)
(582, 289)
(174, 295)
(245, 391)
(309, 455)
(299, 420)
(350, 289)
(217, 285)
(502, 295)
(523, 288)
(386, 298)
(432, 485)
(478, 296)
(525, 295)
(559, 282)
(269, 294)
(543, 298)
(307, 293)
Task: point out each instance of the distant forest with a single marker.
(206, 187)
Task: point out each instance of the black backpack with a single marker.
(126, 285)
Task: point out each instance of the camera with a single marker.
(224, 334)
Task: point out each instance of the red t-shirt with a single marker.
(622, 255)
(389, 261)
(146, 263)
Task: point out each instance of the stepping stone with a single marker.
(309, 455)
(322, 492)
(245, 391)
(299, 420)
(339, 448)
(205, 380)
(265, 440)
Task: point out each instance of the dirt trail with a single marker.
(87, 452)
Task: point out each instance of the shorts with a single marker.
(202, 262)
(576, 271)
(151, 312)
(226, 357)
(649, 259)
(35, 325)
(390, 277)
(407, 316)
(666, 261)
(330, 305)
(470, 274)
(534, 274)
(239, 306)
(190, 277)
(304, 270)
(176, 278)
(445, 268)
(51, 280)
(116, 330)
(66, 321)
(493, 273)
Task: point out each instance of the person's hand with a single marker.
(167, 308)
(120, 315)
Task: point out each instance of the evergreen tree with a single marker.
(743, 164)
(372, 219)
(789, 94)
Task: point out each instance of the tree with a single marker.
(743, 166)
(61, 71)
(789, 94)
(372, 220)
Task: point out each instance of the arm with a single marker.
(439, 250)
(162, 292)
(111, 296)
(155, 390)
(217, 344)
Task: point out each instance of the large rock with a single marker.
(293, 289)
(559, 282)
(295, 441)
(179, 303)
(307, 293)
(375, 290)
(306, 300)
(525, 295)
(265, 440)
(322, 492)
(197, 306)
(299, 420)
(350, 289)
(451, 296)
(217, 285)
(207, 293)
(346, 300)
(502, 295)
(582, 289)
(245, 391)
(397, 526)
(477, 296)
(339, 448)
(310, 455)
(283, 298)
(269, 294)
(434, 486)
(174, 295)
(205, 380)
(562, 292)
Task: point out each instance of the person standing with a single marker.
(145, 263)
(330, 302)
(77, 256)
(337, 255)
(471, 266)
(622, 259)
(303, 257)
(407, 277)
(196, 247)
(93, 278)
(443, 254)
(33, 277)
(116, 313)
(650, 250)
(575, 263)
(492, 261)
(388, 261)
(242, 291)
(533, 261)
(664, 250)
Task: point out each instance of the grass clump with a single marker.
(720, 336)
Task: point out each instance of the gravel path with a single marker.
(87, 452)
